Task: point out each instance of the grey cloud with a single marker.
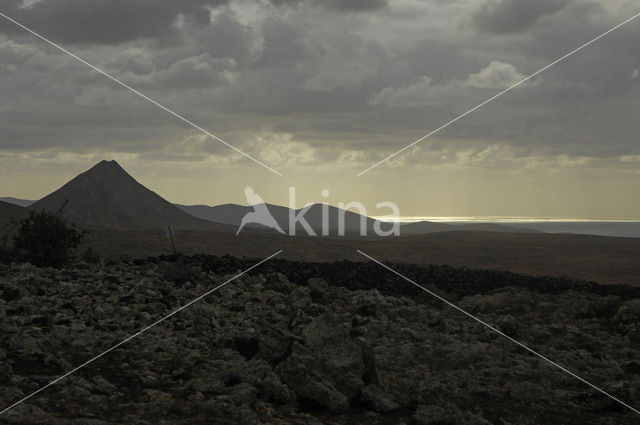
(497, 75)
(225, 38)
(193, 72)
(514, 16)
(338, 5)
(332, 81)
(442, 60)
(354, 5)
(285, 45)
(104, 21)
(606, 66)
(135, 60)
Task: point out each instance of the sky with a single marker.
(320, 90)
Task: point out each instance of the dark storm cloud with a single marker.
(225, 38)
(514, 16)
(452, 61)
(285, 45)
(339, 5)
(330, 80)
(355, 5)
(103, 21)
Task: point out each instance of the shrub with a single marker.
(125, 258)
(7, 231)
(90, 256)
(46, 239)
(5, 255)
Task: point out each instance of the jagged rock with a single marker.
(10, 292)
(26, 413)
(375, 398)
(278, 282)
(436, 415)
(632, 366)
(328, 368)
(274, 345)
(274, 390)
(238, 395)
(509, 300)
(354, 347)
(339, 357)
(299, 374)
(629, 313)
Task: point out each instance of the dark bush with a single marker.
(5, 255)
(46, 239)
(125, 258)
(90, 256)
(7, 230)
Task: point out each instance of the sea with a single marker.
(618, 227)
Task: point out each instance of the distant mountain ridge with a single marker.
(12, 212)
(16, 201)
(10, 217)
(232, 214)
(107, 196)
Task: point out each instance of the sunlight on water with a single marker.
(507, 219)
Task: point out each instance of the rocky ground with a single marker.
(298, 343)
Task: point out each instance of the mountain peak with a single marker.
(107, 164)
(106, 195)
(107, 170)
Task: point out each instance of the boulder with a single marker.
(375, 398)
(327, 367)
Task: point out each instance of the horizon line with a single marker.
(507, 219)
(433, 218)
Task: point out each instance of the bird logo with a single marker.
(260, 213)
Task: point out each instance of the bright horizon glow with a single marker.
(507, 219)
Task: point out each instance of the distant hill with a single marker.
(107, 196)
(16, 201)
(227, 213)
(10, 217)
(9, 211)
(232, 214)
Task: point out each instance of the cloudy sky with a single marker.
(320, 90)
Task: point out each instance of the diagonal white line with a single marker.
(114, 79)
(499, 332)
(138, 333)
(500, 94)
